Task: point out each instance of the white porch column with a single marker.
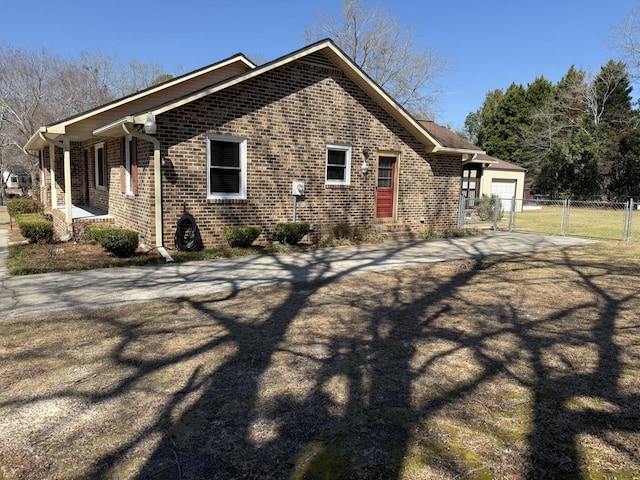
(52, 174)
(67, 184)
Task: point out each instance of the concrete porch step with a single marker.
(398, 232)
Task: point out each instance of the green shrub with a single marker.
(120, 242)
(343, 231)
(24, 205)
(241, 236)
(35, 227)
(98, 233)
(486, 208)
(291, 233)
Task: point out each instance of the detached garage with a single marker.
(503, 179)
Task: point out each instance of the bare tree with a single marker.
(110, 77)
(385, 51)
(38, 88)
(628, 41)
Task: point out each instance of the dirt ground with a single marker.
(514, 367)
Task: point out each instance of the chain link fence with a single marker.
(592, 219)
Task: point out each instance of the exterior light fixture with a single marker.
(364, 166)
(150, 126)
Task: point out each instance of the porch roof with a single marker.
(80, 127)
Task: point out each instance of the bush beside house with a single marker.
(291, 233)
(241, 236)
(35, 227)
(120, 242)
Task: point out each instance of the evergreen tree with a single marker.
(576, 139)
(500, 136)
(625, 173)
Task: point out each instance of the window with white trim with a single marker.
(338, 170)
(227, 167)
(100, 166)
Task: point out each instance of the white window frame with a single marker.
(242, 194)
(347, 166)
(100, 146)
(128, 175)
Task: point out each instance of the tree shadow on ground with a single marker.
(350, 409)
(390, 375)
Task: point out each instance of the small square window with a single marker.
(338, 168)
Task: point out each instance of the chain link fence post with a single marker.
(631, 210)
(461, 208)
(512, 213)
(625, 220)
(564, 228)
(628, 220)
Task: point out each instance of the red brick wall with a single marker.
(135, 212)
(288, 116)
(128, 211)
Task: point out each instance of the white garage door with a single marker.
(506, 190)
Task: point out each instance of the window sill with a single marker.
(220, 201)
(337, 185)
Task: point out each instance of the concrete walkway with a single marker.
(113, 286)
(4, 239)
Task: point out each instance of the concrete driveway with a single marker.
(113, 286)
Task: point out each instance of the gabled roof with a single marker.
(497, 164)
(331, 54)
(449, 139)
(109, 120)
(81, 126)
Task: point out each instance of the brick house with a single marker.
(227, 142)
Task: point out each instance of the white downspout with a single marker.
(157, 180)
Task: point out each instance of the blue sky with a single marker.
(488, 44)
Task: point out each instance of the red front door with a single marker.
(386, 182)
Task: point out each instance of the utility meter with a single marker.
(298, 188)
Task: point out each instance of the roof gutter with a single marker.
(457, 151)
(157, 178)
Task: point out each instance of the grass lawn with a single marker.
(584, 222)
(514, 367)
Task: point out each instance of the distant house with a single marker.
(229, 142)
(16, 179)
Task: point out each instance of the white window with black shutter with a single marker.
(338, 171)
(227, 167)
